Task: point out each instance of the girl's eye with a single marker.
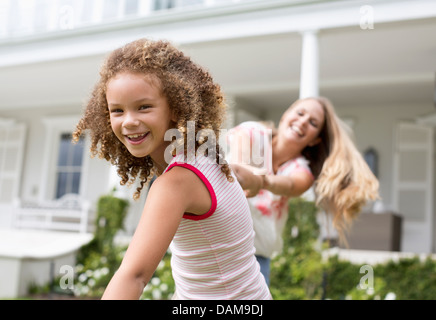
(314, 124)
(116, 111)
(144, 107)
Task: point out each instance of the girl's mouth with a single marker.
(137, 138)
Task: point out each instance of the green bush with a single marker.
(111, 212)
(301, 273)
(98, 260)
(161, 285)
(409, 279)
(299, 264)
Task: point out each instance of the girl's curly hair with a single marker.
(191, 93)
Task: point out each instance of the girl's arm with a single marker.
(171, 195)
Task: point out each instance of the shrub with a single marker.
(161, 285)
(299, 272)
(298, 266)
(98, 260)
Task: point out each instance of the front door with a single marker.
(413, 185)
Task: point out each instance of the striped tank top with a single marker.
(213, 254)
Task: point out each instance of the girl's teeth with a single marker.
(136, 136)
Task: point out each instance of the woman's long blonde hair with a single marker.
(344, 183)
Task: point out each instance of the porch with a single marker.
(41, 243)
(35, 257)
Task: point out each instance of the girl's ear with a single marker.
(173, 116)
(314, 142)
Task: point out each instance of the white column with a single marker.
(309, 81)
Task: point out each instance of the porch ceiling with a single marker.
(392, 63)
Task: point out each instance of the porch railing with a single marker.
(21, 18)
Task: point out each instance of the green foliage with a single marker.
(161, 285)
(370, 293)
(111, 212)
(301, 273)
(98, 261)
(410, 278)
(299, 264)
(405, 279)
(341, 277)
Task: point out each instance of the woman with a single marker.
(311, 146)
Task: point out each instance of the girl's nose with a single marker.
(130, 120)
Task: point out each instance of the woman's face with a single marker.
(302, 124)
(139, 115)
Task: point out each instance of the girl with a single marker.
(146, 90)
(310, 147)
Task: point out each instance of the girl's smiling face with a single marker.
(139, 115)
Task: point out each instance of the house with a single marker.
(374, 59)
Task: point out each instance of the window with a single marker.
(63, 161)
(69, 166)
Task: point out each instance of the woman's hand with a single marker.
(286, 186)
(250, 183)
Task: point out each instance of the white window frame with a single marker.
(68, 168)
(54, 128)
